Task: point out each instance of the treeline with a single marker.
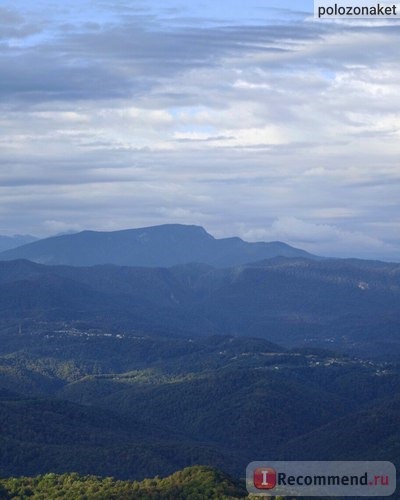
(196, 483)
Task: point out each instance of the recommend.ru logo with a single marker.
(321, 478)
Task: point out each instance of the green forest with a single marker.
(196, 483)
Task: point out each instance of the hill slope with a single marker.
(347, 303)
(178, 402)
(164, 246)
(43, 435)
(9, 242)
(370, 434)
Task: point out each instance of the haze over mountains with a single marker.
(152, 283)
(9, 242)
(157, 246)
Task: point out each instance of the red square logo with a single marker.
(264, 478)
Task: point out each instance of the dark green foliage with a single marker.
(370, 434)
(39, 436)
(196, 483)
(223, 401)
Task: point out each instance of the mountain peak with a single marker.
(155, 246)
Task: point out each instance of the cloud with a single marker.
(13, 26)
(143, 116)
(328, 239)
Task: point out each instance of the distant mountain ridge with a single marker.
(344, 303)
(157, 246)
(10, 242)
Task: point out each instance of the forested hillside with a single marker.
(134, 407)
(196, 483)
(348, 305)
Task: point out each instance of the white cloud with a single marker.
(139, 120)
(324, 239)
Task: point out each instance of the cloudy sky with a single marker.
(248, 118)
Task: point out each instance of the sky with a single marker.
(248, 118)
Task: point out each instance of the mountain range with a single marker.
(157, 246)
(352, 305)
(194, 351)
